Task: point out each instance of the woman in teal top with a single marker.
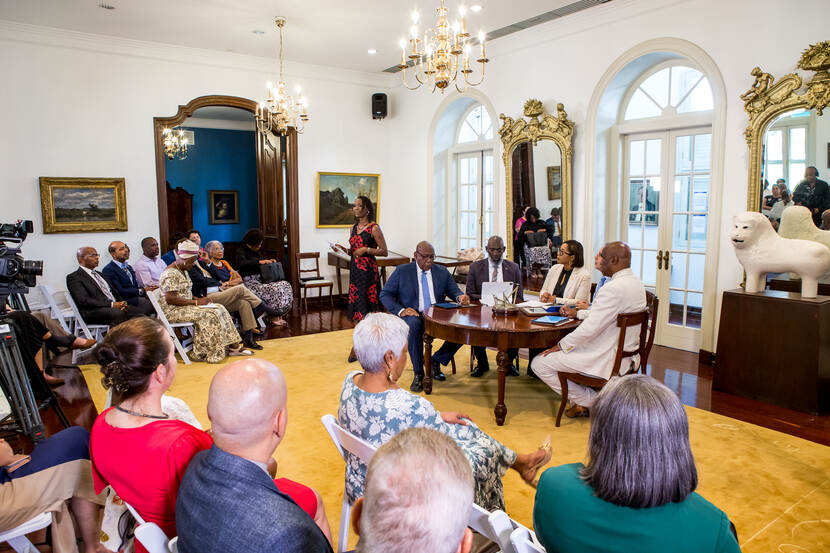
(637, 491)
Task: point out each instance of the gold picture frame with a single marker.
(554, 182)
(80, 204)
(223, 208)
(336, 193)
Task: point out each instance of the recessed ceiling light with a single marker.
(106, 6)
(475, 8)
(372, 51)
(258, 32)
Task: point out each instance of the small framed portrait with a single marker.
(555, 182)
(224, 207)
(336, 193)
(72, 204)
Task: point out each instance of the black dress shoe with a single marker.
(438, 375)
(251, 344)
(512, 371)
(417, 384)
(479, 372)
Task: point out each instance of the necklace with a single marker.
(137, 414)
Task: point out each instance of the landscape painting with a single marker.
(336, 193)
(82, 204)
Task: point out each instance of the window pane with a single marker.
(636, 266)
(678, 270)
(657, 86)
(682, 81)
(653, 160)
(676, 307)
(635, 158)
(703, 152)
(798, 143)
(652, 199)
(683, 154)
(698, 234)
(472, 192)
(775, 145)
(486, 124)
(467, 134)
(796, 173)
(635, 235)
(694, 309)
(680, 233)
(650, 232)
(463, 204)
(649, 267)
(700, 193)
(488, 197)
(697, 266)
(681, 193)
(774, 172)
(700, 99)
(635, 196)
(641, 106)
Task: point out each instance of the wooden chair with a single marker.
(648, 325)
(313, 281)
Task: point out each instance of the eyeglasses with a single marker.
(563, 251)
(489, 249)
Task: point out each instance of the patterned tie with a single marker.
(425, 290)
(129, 276)
(495, 276)
(102, 284)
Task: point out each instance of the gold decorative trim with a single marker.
(767, 99)
(539, 126)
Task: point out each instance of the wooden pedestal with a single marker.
(775, 347)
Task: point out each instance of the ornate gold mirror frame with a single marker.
(767, 99)
(539, 126)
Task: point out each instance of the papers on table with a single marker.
(534, 303)
(498, 289)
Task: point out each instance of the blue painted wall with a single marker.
(221, 160)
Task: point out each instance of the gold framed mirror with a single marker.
(786, 131)
(538, 155)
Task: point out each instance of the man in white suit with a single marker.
(591, 348)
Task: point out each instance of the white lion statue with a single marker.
(760, 250)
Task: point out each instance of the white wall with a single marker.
(545, 154)
(83, 106)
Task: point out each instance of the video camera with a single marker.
(17, 275)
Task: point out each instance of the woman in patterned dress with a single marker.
(278, 295)
(373, 407)
(215, 335)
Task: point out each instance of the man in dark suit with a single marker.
(410, 290)
(121, 277)
(493, 269)
(227, 500)
(96, 300)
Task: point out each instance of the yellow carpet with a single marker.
(774, 487)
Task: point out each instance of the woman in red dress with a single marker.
(134, 446)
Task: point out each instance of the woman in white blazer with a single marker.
(568, 281)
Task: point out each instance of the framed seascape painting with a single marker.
(555, 182)
(336, 193)
(224, 207)
(82, 204)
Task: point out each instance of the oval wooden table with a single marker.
(477, 325)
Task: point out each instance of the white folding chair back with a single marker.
(91, 331)
(186, 328)
(345, 442)
(173, 545)
(524, 541)
(63, 315)
(149, 534)
(16, 537)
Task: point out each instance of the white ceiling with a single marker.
(324, 32)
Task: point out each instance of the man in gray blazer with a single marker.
(227, 500)
(492, 269)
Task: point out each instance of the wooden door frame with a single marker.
(187, 110)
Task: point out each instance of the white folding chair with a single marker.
(524, 541)
(173, 545)
(63, 315)
(495, 526)
(16, 537)
(187, 328)
(345, 442)
(92, 331)
(149, 534)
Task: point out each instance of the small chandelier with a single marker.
(443, 54)
(280, 110)
(176, 142)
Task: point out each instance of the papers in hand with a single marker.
(498, 289)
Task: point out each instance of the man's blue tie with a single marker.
(425, 290)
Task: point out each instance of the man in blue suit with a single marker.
(121, 277)
(410, 290)
(227, 500)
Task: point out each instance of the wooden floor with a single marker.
(679, 370)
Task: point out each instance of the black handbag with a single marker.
(271, 272)
(536, 239)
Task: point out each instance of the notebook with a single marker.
(552, 320)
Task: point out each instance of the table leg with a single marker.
(427, 364)
(382, 276)
(503, 361)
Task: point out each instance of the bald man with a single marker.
(122, 278)
(97, 301)
(592, 347)
(227, 501)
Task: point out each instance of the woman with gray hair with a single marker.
(637, 491)
(373, 407)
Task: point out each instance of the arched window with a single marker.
(672, 90)
(476, 126)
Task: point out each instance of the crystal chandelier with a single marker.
(280, 110)
(443, 53)
(175, 143)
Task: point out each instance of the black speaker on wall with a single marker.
(378, 105)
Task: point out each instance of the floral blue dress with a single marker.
(378, 417)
